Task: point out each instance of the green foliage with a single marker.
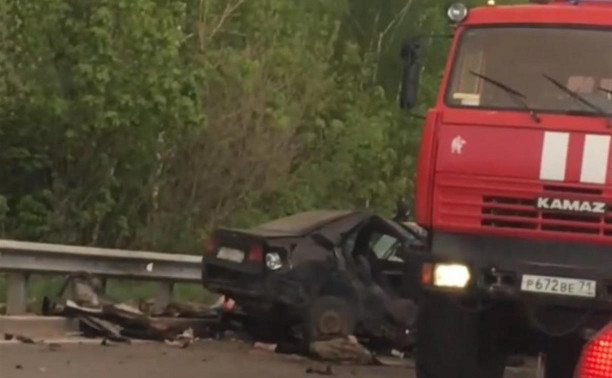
(145, 123)
(90, 86)
(125, 291)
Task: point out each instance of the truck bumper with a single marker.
(497, 266)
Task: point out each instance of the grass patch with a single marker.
(116, 290)
(38, 287)
(194, 293)
(124, 290)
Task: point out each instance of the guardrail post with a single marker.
(163, 296)
(16, 298)
(103, 285)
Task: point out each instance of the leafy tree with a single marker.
(90, 87)
(145, 123)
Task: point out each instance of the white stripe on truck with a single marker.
(554, 156)
(595, 159)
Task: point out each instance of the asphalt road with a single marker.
(204, 359)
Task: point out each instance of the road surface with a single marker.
(204, 359)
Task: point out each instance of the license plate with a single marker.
(558, 285)
(230, 254)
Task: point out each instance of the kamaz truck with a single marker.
(514, 186)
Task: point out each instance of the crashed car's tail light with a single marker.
(596, 360)
(256, 253)
(210, 245)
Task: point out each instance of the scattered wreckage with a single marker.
(320, 274)
(179, 324)
(335, 285)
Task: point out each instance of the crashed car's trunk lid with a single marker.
(233, 264)
(301, 224)
(237, 250)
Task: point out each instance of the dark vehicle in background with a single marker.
(330, 272)
(596, 356)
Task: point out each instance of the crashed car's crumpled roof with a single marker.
(299, 224)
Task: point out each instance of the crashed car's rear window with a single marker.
(300, 224)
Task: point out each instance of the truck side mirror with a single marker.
(402, 211)
(411, 55)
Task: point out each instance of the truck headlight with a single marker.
(451, 275)
(273, 261)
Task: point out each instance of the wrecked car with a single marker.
(329, 272)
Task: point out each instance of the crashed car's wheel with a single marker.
(329, 317)
(455, 343)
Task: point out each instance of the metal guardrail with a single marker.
(20, 259)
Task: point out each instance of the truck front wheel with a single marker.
(453, 342)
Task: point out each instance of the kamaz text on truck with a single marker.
(514, 186)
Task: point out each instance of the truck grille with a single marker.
(521, 213)
(509, 212)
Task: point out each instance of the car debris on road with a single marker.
(320, 370)
(342, 349)
(179, 324)
(20, 338)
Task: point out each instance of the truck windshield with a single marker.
(522, 58)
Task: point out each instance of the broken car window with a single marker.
(385, 247)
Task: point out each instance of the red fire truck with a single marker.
(514, 186)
